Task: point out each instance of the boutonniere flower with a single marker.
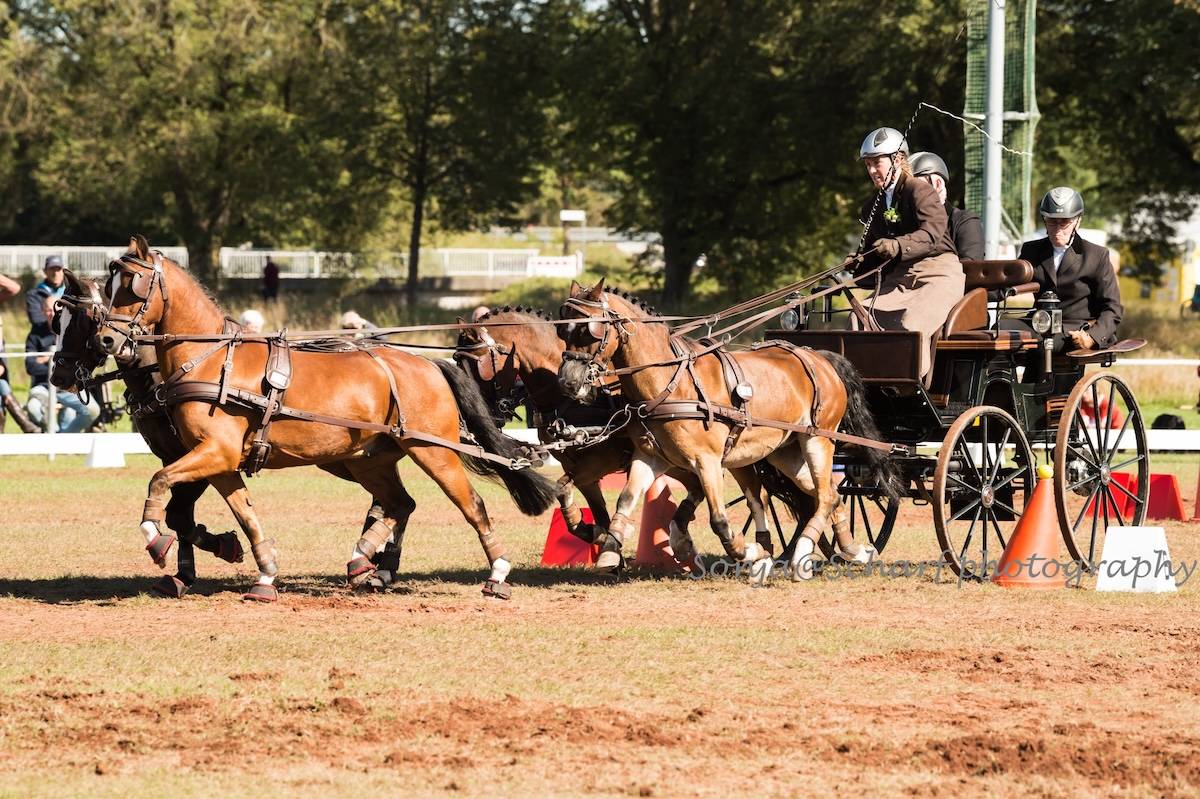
(891, 215)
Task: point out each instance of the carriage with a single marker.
(968, 438)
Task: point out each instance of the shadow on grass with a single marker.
(113, 589)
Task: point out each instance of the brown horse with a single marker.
(514, 343)
(350, 407)
(689, 419)
(77, 358)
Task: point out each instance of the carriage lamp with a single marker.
(796, 317)
(1047, 318)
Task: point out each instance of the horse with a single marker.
(705, 410)
(358, 404)
(77, 358)
(520, 342)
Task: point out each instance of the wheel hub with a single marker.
(988, 496)
(1105, 474)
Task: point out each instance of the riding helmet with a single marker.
(883, 141)
(1061, 202)
(925, 163)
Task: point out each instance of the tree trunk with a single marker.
(680, 261)
(414, 243)
(202, 262)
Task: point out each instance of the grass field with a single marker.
(647, 687)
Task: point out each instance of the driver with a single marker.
(906, 223)
(1079, 272)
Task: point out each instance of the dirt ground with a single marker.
(646, 687)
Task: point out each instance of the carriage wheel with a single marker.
(980, 488)
(1087, 492)
(871, 513)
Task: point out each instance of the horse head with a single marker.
(137, 298)
(75, 325)
(607, 322)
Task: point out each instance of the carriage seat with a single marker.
(966, 325)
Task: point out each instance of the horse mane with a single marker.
(203, 288)
(519, 309)
(632, 299)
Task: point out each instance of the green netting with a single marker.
(1020, 112)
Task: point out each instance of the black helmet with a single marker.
(1061, 202)
(924, 163)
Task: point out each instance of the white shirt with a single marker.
(887, 194)
(1059, 252)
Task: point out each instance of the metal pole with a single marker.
(995, 129)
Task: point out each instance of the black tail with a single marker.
(532, 493)
(859, 421)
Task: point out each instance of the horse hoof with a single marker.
(497, 590)
(866, 554)
(609, 561)
(229, 548)
(260, 592)
(760, 571)
(169, 587)
(584, 531)
(159, 547)
(359, 570)
(681, 544)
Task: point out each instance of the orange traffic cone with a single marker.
(654, 544)
(1031, 558)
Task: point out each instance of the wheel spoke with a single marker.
(1092, 546)
(1090, 503)
(999, 535)
(1108, 497)
(983, 451)
(1073, 449)
(1117, 442)
(778, 526)
(970, 533)
(1108, 413)
(966, 454)
(1084, 481)
(1000, 455)
(1083, 432)
(963, 512)
(1126, 491)
(1008, 508)
(870, 533)
(1015, 474)
(961, 482)
(1123, 464)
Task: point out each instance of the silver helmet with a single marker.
(883, 141)
(1061, 202)
(928, 164)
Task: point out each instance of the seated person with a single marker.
(77, 416)
(251, 321)
(53, 285)
(907, 226)
(965, 228)
(1079, 272)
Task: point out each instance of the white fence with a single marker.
(295, 264)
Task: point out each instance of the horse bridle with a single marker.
(497, 358)
(599, 328)
(141, 284)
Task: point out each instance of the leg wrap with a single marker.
(492, 547)
(375, 537)
(735, 546)
(685, 513)
(620, 528)
(154, 511)
(374, 515)
(265, 555)
(573, 516)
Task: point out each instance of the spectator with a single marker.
(252, 321)
(8, 403)
(77, 416)
(479, 313)
(270, 287)
(352, 321)
(53, 285)
(965, 228)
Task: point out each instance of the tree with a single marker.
(182, 118)
(447, 100)
(734, 125)
(1123, 119)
